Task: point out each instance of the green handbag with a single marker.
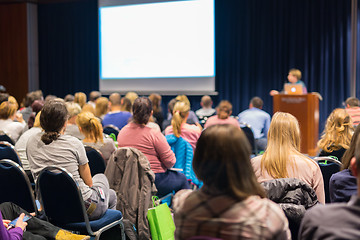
(161, 222)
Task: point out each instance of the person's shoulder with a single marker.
(71, 139)
(321, 212)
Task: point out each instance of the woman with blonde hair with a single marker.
(337, 134)
(192, 119)
(231, 204)
(180, 128)
(80, 98)
(11, 122)
(92, 129)
(224, 111)
(101, 107)
(282, 157)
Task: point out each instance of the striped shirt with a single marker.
(354, 113)
(224, 217)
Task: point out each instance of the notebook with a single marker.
(293, 89)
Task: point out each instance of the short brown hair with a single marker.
(352, 102)
(257, 102)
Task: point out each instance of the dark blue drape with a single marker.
(257, 42)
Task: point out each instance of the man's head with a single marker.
(256, 102)
(206, 102)
(94, 95)
(294, 75)
(352, 102)
(115, 99)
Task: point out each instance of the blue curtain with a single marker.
(257, 42)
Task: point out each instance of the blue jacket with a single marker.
(184, 156)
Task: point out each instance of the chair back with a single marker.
(15, 186)
(109, 129)
(328, 167)
(60, 196)
(5, 138)
(96, 161)
(250, 136)
(7, 151)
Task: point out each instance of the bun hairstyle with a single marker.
(224, 109)
(90, 125)
(142, 108)
(52, 119)
(180, 112)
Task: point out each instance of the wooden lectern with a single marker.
(306, 109)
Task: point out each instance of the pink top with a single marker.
(306, 170)
(214, 120)
(151, 143)
(190, 133)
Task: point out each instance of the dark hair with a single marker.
(352, 102)
(156, 102)
(171, 105)
(142, 108)
(350, 152)
(52, 119)
(222, 162)
(257, 102)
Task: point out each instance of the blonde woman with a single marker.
(223, 116)
(282, 158)
(8, 115)
(180, 128)
(337, 134)
(101, 107)
(91, 128)
(192, 119)
(80, 98)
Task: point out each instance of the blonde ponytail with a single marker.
(90, 126)
(180, 112)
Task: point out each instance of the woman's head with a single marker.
(156, 102)
(73, 109)
(350, 153)
(90, 126)
(338, 131)
(80, 98)
(224, 109)
(7, 110)
(283, 142)
(183, 98)
(222, 162)
(131, 96)
(102, 106)
(52, 119)
(142, 110)
(180, 114)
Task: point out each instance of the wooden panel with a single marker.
(306, 109)
(13, 45)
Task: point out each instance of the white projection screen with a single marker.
(163, 46)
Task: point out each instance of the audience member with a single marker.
(224, 111)
(131, 96)
(192, 119)
(259, 121)
(93, 96)
(116, 116)
(167, 121)
(206, 109)
(33, 229)
(91, 128)
(353, 109)
(180, 128)
(52, 147)
(69, 98)
(50, 97)
(154, 146)
(231, 204)
(338, 220)
(36, 108)
(337, 134)
(343, 184)
(126, 105)
(4, 97)
(282, 157)
(72, 128)
(29, 100)
(2, 89)
(101, 107)
(293, 77)
(11, 122)
(157, 110)
(80, 98)
(88, 108)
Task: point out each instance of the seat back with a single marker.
(7, 151)
(15, 186)
(250, 136)
(108, 129)
(5, 138)
(328, 167)
(60, 196)
(96, 161)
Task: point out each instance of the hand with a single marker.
(20, 223)
(6, 223)
(19, 117)
(273, 92)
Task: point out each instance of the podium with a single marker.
(306, 109)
